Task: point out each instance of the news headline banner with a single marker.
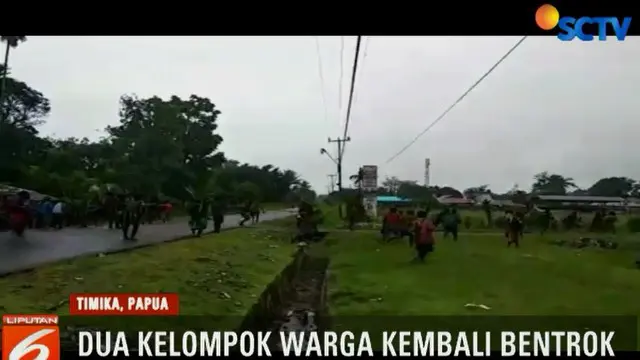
(179, 336)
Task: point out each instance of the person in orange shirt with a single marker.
(424, 238)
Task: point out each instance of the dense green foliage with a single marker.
(159, 148)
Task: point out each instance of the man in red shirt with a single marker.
(424, 236)
(165, 211)
(391, 224)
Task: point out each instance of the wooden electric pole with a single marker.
(340, 143)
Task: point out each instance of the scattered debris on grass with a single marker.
(585, 242)
(477, 306)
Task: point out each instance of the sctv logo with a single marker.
(584, 28)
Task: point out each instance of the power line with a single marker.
(340, 84)
(353, 83)
(457, 101)
(324, 98)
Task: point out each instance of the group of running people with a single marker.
(201, 210)
(125, 212)
(420, 229)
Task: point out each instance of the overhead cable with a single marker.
(456, 102)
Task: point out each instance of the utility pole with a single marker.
(341, 143)
(332, 182)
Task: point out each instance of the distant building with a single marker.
(392, 200)
(450, 200)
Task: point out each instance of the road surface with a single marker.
(41, 247)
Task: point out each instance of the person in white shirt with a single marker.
(58, 213)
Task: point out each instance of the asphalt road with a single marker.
(40, 247)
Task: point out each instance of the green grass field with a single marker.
(221, 274)
(368, 277)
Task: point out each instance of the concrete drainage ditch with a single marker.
(295, 301)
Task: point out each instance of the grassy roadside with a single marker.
(220, 274)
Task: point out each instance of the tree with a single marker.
(24, 108)
(247, 192)
(12, 42)
(173, 139)
(357, 178)
(612, 186)
(391, 184)
(552, 184)
(302, 192)
(412, 190)
(475, 191)
(160, 149)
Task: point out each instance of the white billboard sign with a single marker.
(369, 178)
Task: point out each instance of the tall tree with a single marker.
(24, 109)
(414, 191)
(612, 186)
(552, 184)
(161, 147)
(11, 42)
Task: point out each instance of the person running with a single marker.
(256, 209)
(133, 212)
(424, 237)
(165, 211)
(508, 215)
(121, 206)
(245, 213)
(111, 209)
(19, 213)
(450, 222)
(516, 229)
(46, 211)
(391, 224)
(198, 217)
(57, 213)
(218, 210)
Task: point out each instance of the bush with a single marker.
(633, 224)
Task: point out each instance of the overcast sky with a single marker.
(565, 107)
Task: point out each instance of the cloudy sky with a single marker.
(565, 107)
